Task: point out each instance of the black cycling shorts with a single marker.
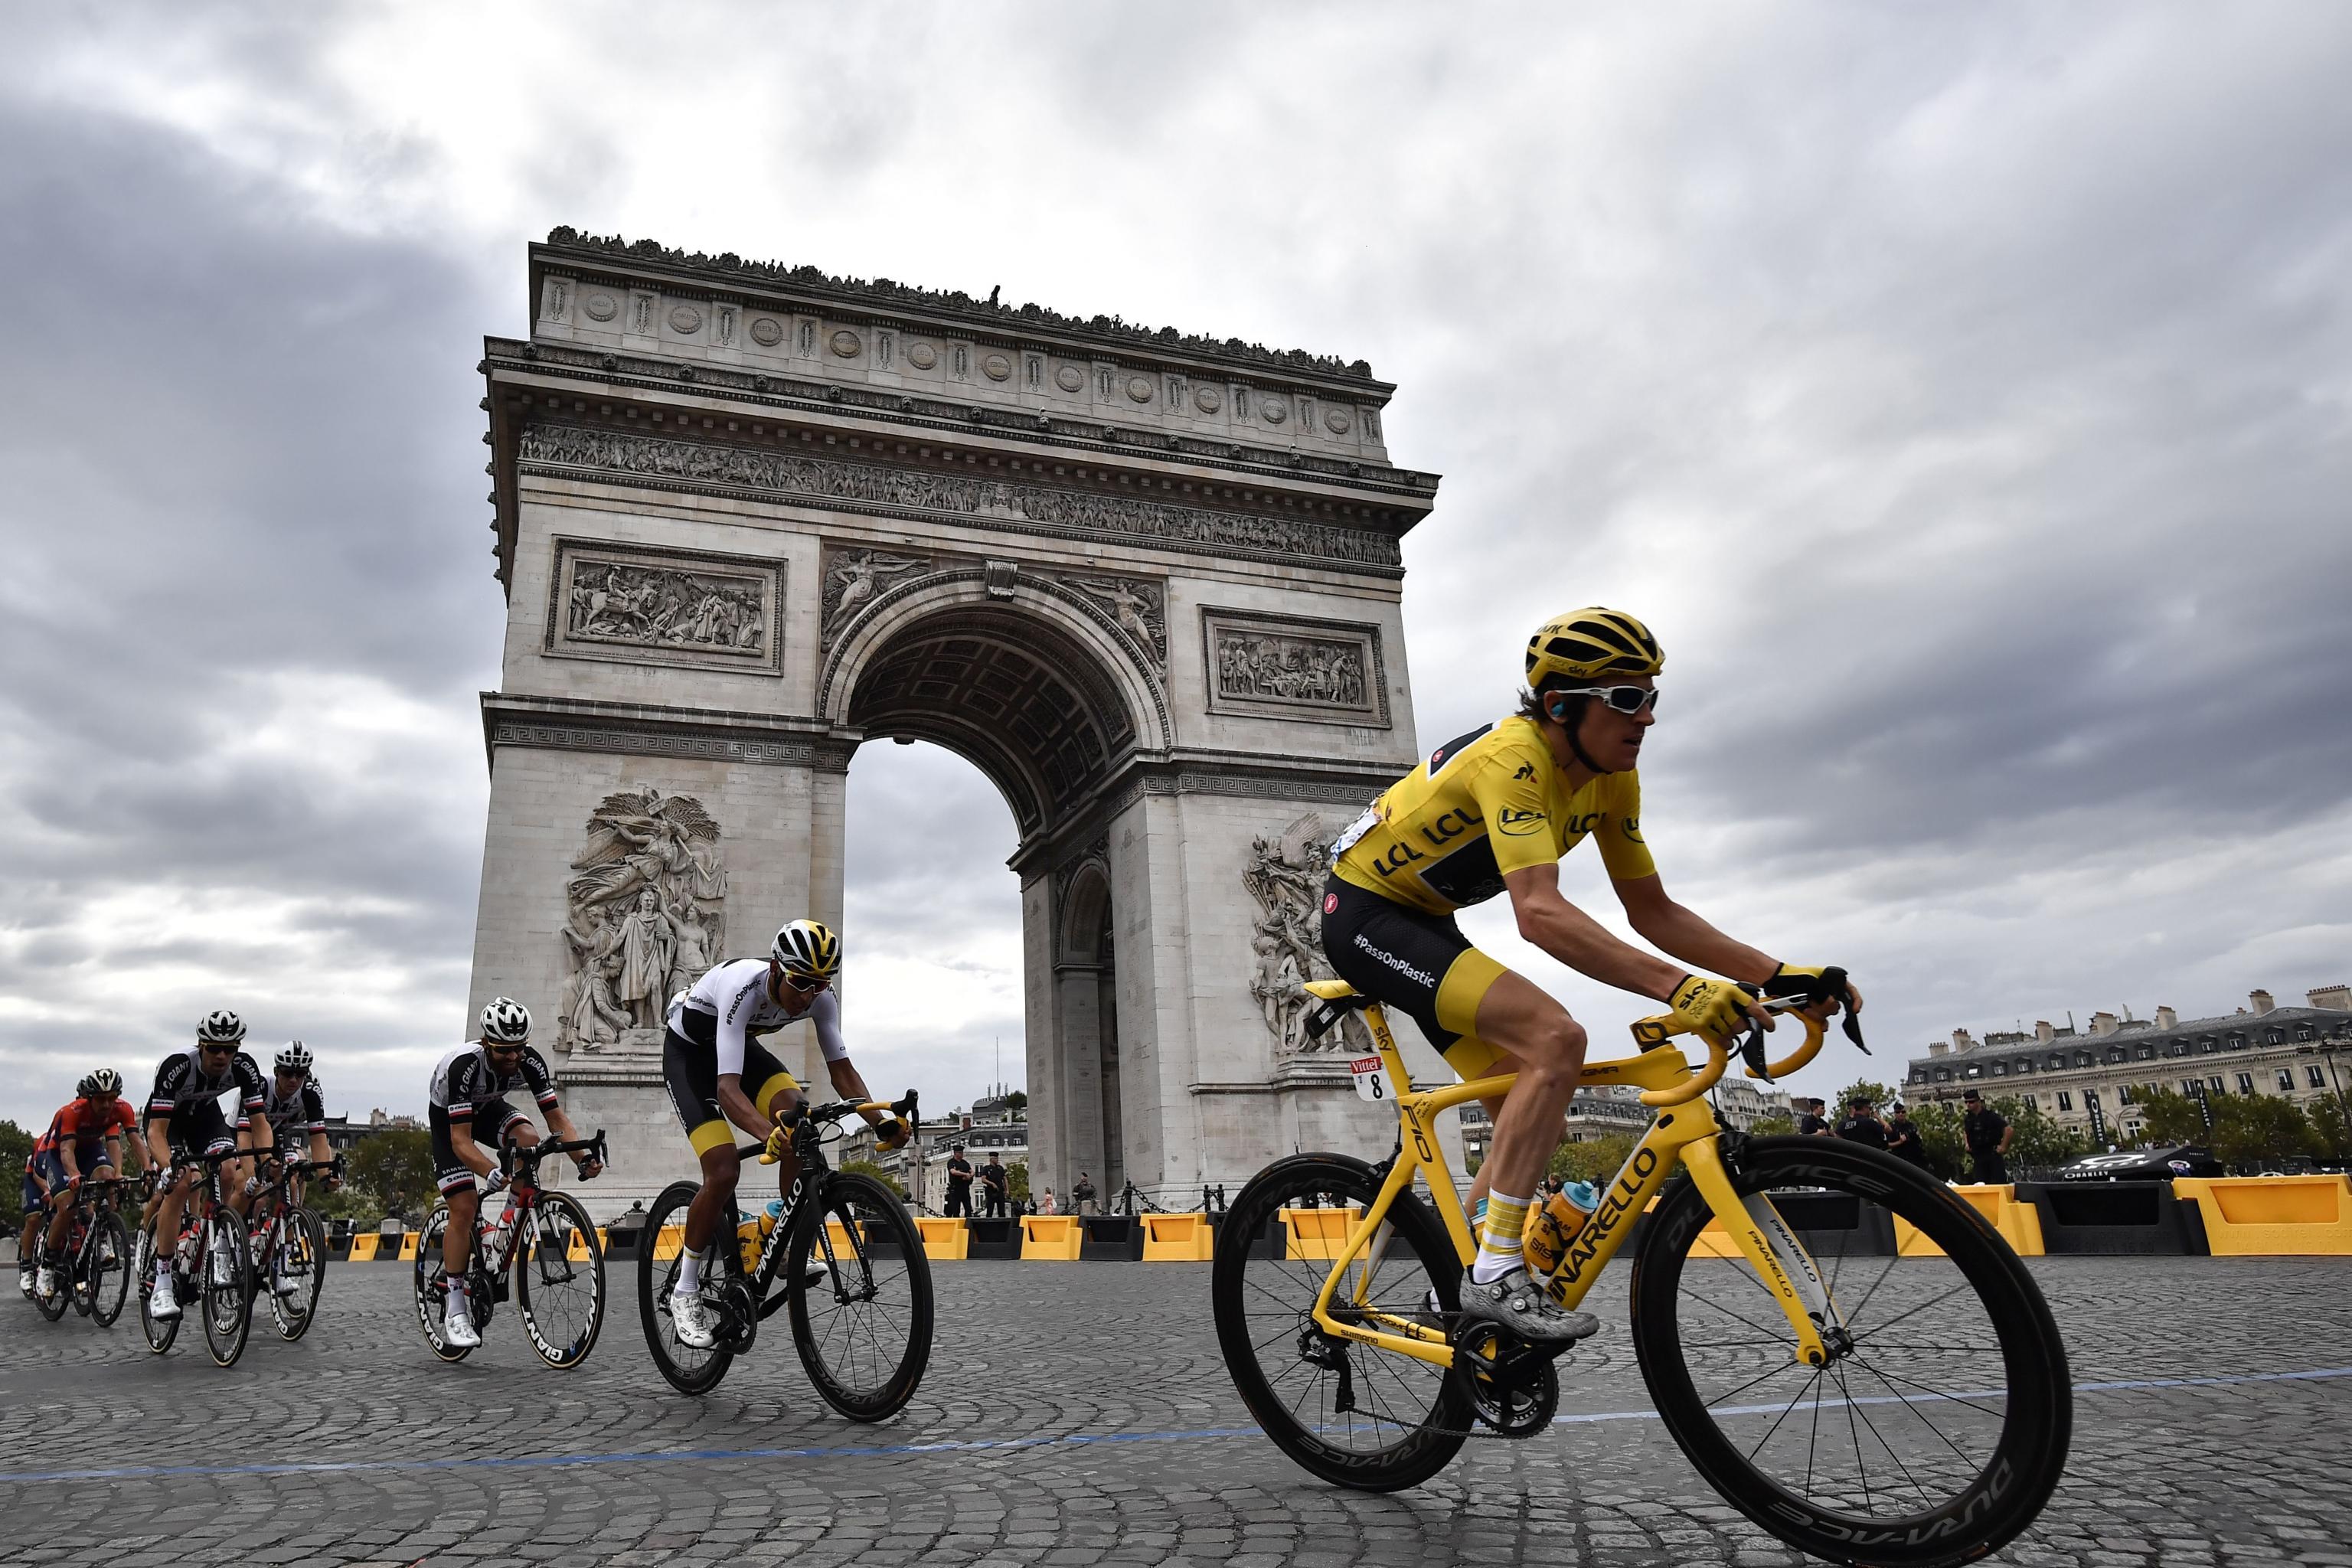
(690, 1069)
(492, 1120)
(198, 1127)
(1419, 963)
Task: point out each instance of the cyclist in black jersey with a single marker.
(297, 1113)
(184, 1122)
(1494, 811)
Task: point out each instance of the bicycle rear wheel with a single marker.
(106, 1272)
(687, 1370)
(1939, 1432)
(227, 1302)
(559, 1276)
(297, 1258)
(1353, 1415)
(160, 1332)
(53, 1305)
(432, 1285)
(865, 1330)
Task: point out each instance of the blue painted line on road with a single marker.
(987, 1444)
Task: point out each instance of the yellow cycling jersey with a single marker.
(1485, 803)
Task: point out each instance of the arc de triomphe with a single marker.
(750, 518)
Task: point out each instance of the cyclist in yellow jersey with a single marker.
(1494, 811)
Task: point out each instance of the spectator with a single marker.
(958, 1183)
(1045, 1203)
(994, 1184)
(1862, 1124)
(1903, 1137)
(1989, 1133)
(1809, 1121)
(1082, 1196)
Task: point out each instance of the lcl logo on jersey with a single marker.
(1519, 824)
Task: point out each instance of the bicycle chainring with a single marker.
(738, 1316)
(1514, 1387)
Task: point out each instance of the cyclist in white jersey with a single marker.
(465, 1102)
(709, 1055)
(184, 1122)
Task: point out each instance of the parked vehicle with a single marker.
(2160, 1164)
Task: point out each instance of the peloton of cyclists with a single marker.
(468, 1108)
(84, 1140)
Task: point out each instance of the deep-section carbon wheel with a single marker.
(53, 1305)
(432, 1285)
(559, 1279)
(865, 1330)
(107, 1266)
(687, 1370)
(227, 1300)
(295, 1270)
(160, 1332)
(1361, 1417)
(1939, 1430)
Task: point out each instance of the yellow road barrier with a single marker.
(364, 1248)
(1051, 1237)
(1315, 1235)
(947, 1239)
(2273, 1216)
(408, 1247)
(1177, 1238)
(2020, 1224)
(667, 1244)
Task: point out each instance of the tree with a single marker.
(1595, 1162)
(1018, 1101)
(2260, 1130)
(395, 1168)
(1017, 1181)
(2331, 1138)
(2169, 1116)
(1878, 1094)
(1776, 1125)
(2040, 1142)
(15, 1147)
(1943, 1137)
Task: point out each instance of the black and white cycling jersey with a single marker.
(465, 1078)
(182, 1084)
(731, 1000)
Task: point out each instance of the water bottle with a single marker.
(1551, 1228)
(749, 1234)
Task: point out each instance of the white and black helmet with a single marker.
(808, 952)
(220, 1027)
(105, 1083)
(507, 1021)
(295, 1058)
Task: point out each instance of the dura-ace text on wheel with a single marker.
(1939, 1423)
(1356, 1416)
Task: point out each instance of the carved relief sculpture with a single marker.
(1137, 606)
(640, 605)
(646, 901)
(1328, 671)
(1285, 874)
(853, 578)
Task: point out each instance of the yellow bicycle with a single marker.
(1861, 1405)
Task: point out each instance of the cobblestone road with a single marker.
(1119, 1441)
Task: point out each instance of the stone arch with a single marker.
(1028, 679)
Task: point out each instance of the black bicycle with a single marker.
(289, 1247)
(211, 1266)
(92, 1271)
(852, 1271)
(542, 1243)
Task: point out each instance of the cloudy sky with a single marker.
(1962, 394)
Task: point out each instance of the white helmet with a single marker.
(295, 1058)
(220, 1027)
(507, 1021)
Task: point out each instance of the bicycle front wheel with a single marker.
(53, 1305)
(227, 1302)
(296, 1270)
(1351, 1414)
(559, 1276)
(107, 1268)
(1932, 1436)
(863, 1330)
(432, 1285)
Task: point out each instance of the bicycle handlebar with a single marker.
(837, 1110)
(593, 1147)
(1657, 1031)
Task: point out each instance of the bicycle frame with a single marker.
(1685, 1133)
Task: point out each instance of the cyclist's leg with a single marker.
(455, 1178)
(1524, 1023)
(691, 1073)
(775, 1091)
(61, 1211)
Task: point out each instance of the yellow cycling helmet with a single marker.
(1583, 644)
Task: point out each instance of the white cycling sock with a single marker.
(1498, 1249)
(689, 1273)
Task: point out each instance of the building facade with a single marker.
(2303, 1054)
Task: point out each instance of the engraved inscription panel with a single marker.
(665, 607)
(1281, 668)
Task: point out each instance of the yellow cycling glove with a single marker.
(1717, 1007)
(780, 1142)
